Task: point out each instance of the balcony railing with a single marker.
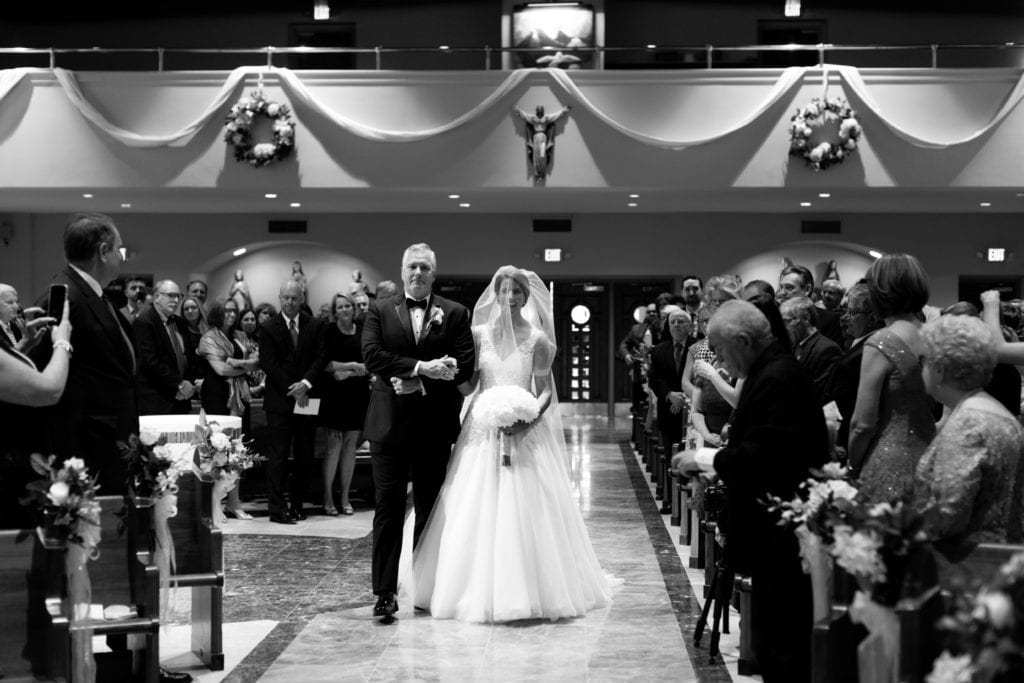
(663, 56)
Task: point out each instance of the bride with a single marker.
(509, 542)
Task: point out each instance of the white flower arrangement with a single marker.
(858, 553)
(238, 130)
(832, 115)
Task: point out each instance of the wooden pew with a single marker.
(36, 614)
(746, 665)
(697, 549)
(199, 550)
(985, 560)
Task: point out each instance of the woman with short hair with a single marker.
(968, 483)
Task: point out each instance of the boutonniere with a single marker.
(436, 316)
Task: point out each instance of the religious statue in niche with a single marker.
(240, 292)
(357, 286)
(540, 137)
(298, 276)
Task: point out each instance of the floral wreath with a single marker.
(238, 130)
(830, 118)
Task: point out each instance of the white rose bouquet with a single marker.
(501, 407)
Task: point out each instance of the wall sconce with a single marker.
(321, 10)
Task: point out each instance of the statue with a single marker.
(357, 284)
(559, 60)
(541, 140)
(240, 292)
(298, 276)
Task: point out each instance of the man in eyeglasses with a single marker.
(167, 372)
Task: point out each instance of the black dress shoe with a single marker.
(167, 676)
(283, 518)
(298, 514)
(387, 604)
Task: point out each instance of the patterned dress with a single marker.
(905, 424)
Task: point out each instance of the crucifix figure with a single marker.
(541, 137)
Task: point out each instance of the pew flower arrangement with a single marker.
(220, 459)
(984, 632)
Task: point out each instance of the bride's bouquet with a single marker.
(501, 407)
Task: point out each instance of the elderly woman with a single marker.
(712, 395)
(892, 419)
(968, 483)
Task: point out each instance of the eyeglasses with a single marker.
(174, 296)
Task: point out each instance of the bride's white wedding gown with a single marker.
(506, 543)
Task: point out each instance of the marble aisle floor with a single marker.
(317, 590)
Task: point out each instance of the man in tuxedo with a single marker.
(166, 370)
(813, 351)
(292, 356)
(778, 433)
(798, 281)
(420, 348)
(99, 406)
(665, 378)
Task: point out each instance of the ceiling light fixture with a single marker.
(321, 10)
(632, 204)
(238, 252)
(805, 204)
(464, 205)
(87, 195)
(270, 195)
(985, 204)
(453, 196)
(634, 196)
(295, 205)
(126, 206)
(824, 195)
(875, 254)
(651, 46)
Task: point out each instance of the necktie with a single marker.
(678, 355)
(416, 303)
(293, 329)
(124, 335)
(179, 354)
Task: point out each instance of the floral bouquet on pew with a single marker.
(501, 407)
(153, 472)
(220, 459)
(984, 632)
(66, 499)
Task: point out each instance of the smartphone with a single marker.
(55, 305)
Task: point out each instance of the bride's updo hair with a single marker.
(512, 273)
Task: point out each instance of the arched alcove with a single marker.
(265, 265)
(852, 261)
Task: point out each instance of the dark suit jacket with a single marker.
(830, 325)
(842, 387)
(390, 350)
(778, 433)
(99, 406)
(158, 377)
(663, 378)
(285, 364)
(818, 355)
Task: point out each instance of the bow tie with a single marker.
(416, 303)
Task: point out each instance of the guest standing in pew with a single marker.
(892, 420)
(797, 281)
(815, 352)
(24, 389)
(167, 371)
(99, 406)
(1005, 385)
(292, 355)
(667, 362)
(969, 482)
(777, 434)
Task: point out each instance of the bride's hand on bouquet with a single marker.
(518, 428)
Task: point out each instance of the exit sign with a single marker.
(996, 255)
(552, 255)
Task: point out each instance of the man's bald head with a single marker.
(739, 332)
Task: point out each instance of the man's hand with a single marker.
(677, 400)
(185, 391)
(342, 374)
(439, 368)
(685, 462)
(298, 391)
(403, 387)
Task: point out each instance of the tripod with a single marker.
(719, 594)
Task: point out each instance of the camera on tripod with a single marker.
(714, 501)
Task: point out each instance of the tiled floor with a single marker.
(313, 584)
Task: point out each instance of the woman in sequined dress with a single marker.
(892, 420)
(969, 481)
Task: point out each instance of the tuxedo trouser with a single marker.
(393, 467)
(297, 434)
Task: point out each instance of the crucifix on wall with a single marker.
(540, 137)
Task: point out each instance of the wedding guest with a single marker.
(859, 321)
(720, 288)
(345, 398)
(15, 332)
(667, 362)
(969, 482)
(166, 370)
(362, 302)
(195, 325)
(324, 314)
(798, 281)
(264, 312)
(815, 352)
(197, 289)
(386, 288)
(693, 303)
(832, 292)
(1005, 385)
(892, 420)
(135, 293)
(224, 390)
(246, 334)
(777, 434)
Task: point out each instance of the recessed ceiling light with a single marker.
(295, 205)
(270, 195)
(985, 204)
(634, 196)
(87, 195)
(126, 206)
(632, 204)
(445, 47)
(238, 252)
(651, 46)
(805, 203)
(824, 195)
(875, 254)
(453, 196)
(464, 205)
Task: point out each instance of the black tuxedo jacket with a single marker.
(818, 355)
(663, 378)
(390, 350)
(158, 378)
(286, 364)
(842, 387)
(778, 433)
(99, 404)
